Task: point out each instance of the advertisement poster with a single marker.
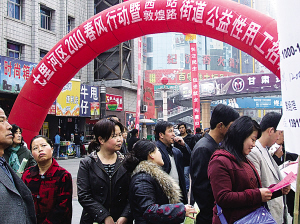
(67, 102)
(14, 73)
(289, 49)
(149, 100)
(254, 83)
(89, 97)
(114, 102)
(178, 76)
(130, 120)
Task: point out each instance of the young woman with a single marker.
(154, 196)
(234, 180)
(102, 180)
(50, 184)
(15, 154)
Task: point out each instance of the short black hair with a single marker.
(223, 113)
(104, 128)
(161, 127)
(270, 120)
(134, 132)
(180, 124)
(198, 130)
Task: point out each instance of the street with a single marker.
(72, 166)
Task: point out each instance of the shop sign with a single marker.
(179, 76)
(68, 101)
(254, 83)
(114, 102)
(14, 73)
(89, 97)
(251, 102)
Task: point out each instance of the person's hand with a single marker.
(266, 194)
(286, 190)
(190, 211)
(122, 220)
(179, 140)
(109, 220)
(279, 152)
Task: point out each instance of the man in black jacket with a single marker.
(133, 139)
(221, 119)
(172, 156)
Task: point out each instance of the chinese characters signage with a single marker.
(117, 102)
(177, 76)
(290, 72)
(68, 101)
(234, 85)
(89, 97)
(195, 85)
(14, 74)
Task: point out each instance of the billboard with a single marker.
(178, 76)
(67, 102)
(241, 84)
(114, 102)
(149, 100)
(89, 97)
(14, 73)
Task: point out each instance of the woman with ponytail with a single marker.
(102, 180)
(154, 196)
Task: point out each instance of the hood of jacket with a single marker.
(166, 182)
(223, 152)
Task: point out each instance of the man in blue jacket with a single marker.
(172, 157)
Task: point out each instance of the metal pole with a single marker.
(102, 100)
(165, 104)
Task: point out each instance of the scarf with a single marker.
(14, 159)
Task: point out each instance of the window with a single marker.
(149, 44)
(14, 9)
(149, 65)
(14, 50)
(45, 18)
(42, 54)
(71, 24)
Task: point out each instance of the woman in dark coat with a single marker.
(50, 184)
(15, 154)
(154, 196)
(234, 180)
(102, 180)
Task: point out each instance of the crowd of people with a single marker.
(138, 181)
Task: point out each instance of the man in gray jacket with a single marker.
(16, 204)
(266, 166)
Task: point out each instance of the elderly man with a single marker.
(16, 204)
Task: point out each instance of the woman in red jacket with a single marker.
(50, 184)
(234, 180)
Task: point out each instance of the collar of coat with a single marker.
(166, 182)
(49, 173)
(121, 157)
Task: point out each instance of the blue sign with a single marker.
(88, 96)
(249, 102)
(14, 73)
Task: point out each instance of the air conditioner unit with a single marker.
(144, 108)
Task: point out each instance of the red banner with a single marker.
(195, 85)
(149, 100)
